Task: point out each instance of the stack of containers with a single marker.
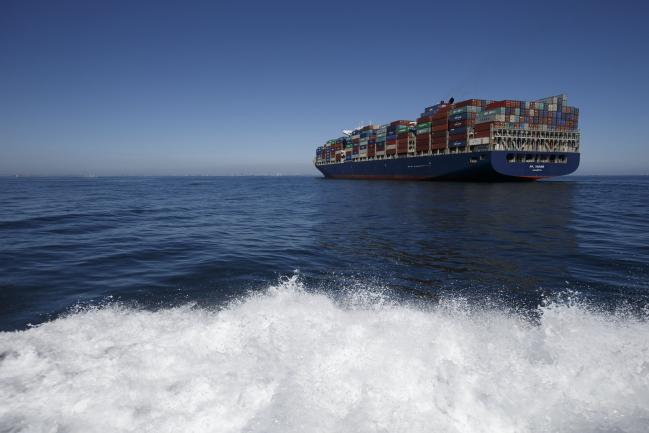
(402, 130)
(371, 145)
(371, 141)
(465, 123)
(423, 129)
(330, 150)
(391, 140)
(461, 121)
(410, 131)
(362, 152)
(439, 127)
(546, 114)
(381, 134)
(367, 137)
(348, 148)
(356, 140)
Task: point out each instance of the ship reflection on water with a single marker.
(471, 237)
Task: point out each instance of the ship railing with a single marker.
(507, 139)
(534, 141)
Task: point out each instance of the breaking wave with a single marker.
(290, 360)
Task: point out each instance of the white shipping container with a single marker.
(491, 118)
(477, 141)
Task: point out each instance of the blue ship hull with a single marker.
(475, 166)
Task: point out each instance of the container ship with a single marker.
(475, 139)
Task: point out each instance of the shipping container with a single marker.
(457, 131)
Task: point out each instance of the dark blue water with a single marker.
(165, 241)
(266, 304)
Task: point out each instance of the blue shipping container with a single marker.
(460, 116)
(457, 131)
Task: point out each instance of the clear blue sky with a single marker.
(109, 87)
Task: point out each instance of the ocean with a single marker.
(299, 304)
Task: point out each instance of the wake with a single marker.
(289, 360)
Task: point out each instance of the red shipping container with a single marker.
(425, 119)
(510, 103)
(438, 122)
(471, 102)
(438, 134)
(423, 143)
(400, 122)
(438, 145)
(480, 134)
(457, 137)
(390, 142)
(442, 127)
(483, 126)
(496, 104)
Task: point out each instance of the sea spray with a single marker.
(294, 360)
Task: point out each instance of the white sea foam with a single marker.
(292, 361)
